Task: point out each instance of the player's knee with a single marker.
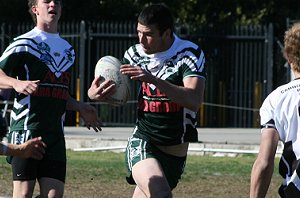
(23, 189)
(162, 194)
(162, 191)
(53, 194)
(23, 194)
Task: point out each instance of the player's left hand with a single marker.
(137, 73)
(89, 115)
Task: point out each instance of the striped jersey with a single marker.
(281, 110)
(160, 120)
(38, 55)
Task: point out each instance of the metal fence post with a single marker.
(2, 37)
(270, 63)
(81, 75)
(82, 58)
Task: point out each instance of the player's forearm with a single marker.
(75, 105)
(188, 97)
(260, 180)
(259, 189)
(72, 104)
(6, 82)
(3, 148)
(9, 149)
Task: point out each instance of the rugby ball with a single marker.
(108, 67)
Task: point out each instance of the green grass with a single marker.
(102, 174)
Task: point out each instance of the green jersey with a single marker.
(160, 120)
(43, 56)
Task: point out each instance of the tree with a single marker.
(193, 13)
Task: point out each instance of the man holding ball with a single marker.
(172, 76)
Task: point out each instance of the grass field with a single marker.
(102, 175)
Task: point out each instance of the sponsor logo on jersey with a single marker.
(154, 100)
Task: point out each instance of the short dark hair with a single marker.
(158, 15)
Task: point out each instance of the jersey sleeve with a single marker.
(193, 63)
(267, 112)
(130, 56)
(11, 58)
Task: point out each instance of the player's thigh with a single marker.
(149, 176)
(23, 188)
(147, 168)
(50, 187)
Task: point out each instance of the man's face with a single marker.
(47, 11)
(150, 39)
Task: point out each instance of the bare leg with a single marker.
(51, 188)
(150, 179)
(138, 193)
(23, 189)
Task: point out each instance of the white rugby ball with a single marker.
(108, 67)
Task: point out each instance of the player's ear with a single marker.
(167, 33)
(34, 10)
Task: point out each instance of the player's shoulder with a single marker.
(184, 43)
(136, 48)
(183, 47)
(281, 93)
(27, 36)
(292, 86)
(19, 43)
(134, 52)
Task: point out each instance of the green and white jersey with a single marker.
(160, 120)
(47, 57)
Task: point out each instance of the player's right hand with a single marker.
(101, 90)
(26, 87)
(33, 148)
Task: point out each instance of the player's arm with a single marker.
(263, 166)
(26, 87)
(100, 91)
(87, 112)
(190, 95)
(33, 148)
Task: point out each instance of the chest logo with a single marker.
(57, 63)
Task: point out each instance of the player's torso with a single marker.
(285, 105)
(45, 57)
(286, 101)
(160, 119)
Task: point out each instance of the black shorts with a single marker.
(30, 169)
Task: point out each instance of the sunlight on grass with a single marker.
(102, 174)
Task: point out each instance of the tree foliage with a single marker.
(191, 12)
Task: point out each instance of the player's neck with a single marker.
(47, 27)
(296, 75)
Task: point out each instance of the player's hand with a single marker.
(90, 117)
(137, 73)
(33, 148)
(26, 87)
(101, 91)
